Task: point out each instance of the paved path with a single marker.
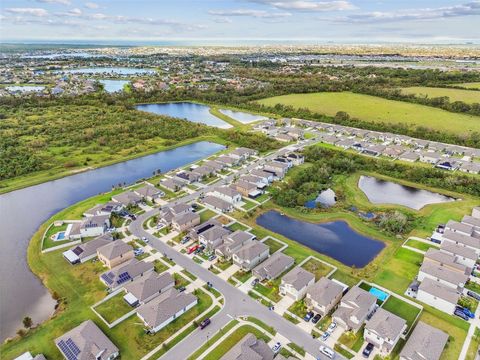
(474, 323)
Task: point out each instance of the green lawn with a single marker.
(421, 245)
(401, 308)
(290, 318)
(223, 265)
(297, 348)
(242, 276)
(237, 226)
(376, 109)
(180, 281)
(114, 308)
(48, 242)
(189, 275)
(342, 351)
(473, 286)
(474, 344)
(269, 289)
(345, 277)
(298, 308)
(248, 204)
(233, 339)
(317, 268)
(260, 323)
(466, 96)
(212, 290)
(472, 85)
(273, 244)
(352, 340)
(263, 197)
(207, 215)
(159, 266)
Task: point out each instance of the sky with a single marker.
(342, 21)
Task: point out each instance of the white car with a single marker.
(327, 352)
(276, 348)
(332, 327)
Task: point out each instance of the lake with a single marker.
(108, 70)
(197, 113)
(24, 210)
(112, 86)
(386, 192)
(242, 117)
(335, 239)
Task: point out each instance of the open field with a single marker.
(472, 85)
(466, 96)
(376, 109)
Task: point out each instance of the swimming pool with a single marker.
(379, 294)
(60, 236)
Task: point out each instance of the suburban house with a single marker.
(354, 308)
(185, 221)
(217, 203)
(213, 237)
(384, 329)
(165, 308)
(104, 209)
(115, 253)
(214, 165)
(445, 259)
(86, 341)
(265, 176)
(430, 157)
(296, 158)
(273, 267)
(442, 274)
(228, 194)
(463, 255)
(127, 198)
(409, 156)
(88, 250)
(227, 160)
(247, 189)
(250, 255)
(204, 171)
(167, 214)
(242, 153)
(195, 232)
(476, 212)
(187, 176)
(474, 221)
(295, 283)
(283, 137)
(460, 227)
(374, 150)
(91, 226)
(249, 348)
(323, 296)
(149, 192)
(276, 168)
(295, 133)
(128, 271)
(425, 342)
(439, 296)
(171, 184)
(462, 240)
(258, 182)
(470, 167)
(148, 287)
(233, 242)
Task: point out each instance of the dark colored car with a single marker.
(466, 311)
(473, 295)
(181, 288)
(308, 316)
(368, 350)
(316, 318)
(461, 314)
(205, 323)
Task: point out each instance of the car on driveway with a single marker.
(254, 282)
(327, 351)
(325, 336)
(466, 311)
(473, 295)
(368, 350)
(316, 318)
(276, 348)
(461, 314)
(308, 316)
(332, 327)
(212, 257)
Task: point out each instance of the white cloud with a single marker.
(223, 20)
(467, 9)
(92, 5)
(39, 12)
(62, 2)
(308, 5)
(249, 12)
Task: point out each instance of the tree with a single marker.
(27, 322)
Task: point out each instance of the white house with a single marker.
(384, 330)
(228, 194)
(437, 295)
(295, 283)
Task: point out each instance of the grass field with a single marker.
(113, 308)
(420, 245)
(376, 109)
(401, 308)
(466, 96)
(472, 85)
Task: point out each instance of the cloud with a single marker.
(308, 5)
(223, 20)
(91, 5)
(38, 12)
(467, 9)
(62, 2)
(76, 12)
(249, 12)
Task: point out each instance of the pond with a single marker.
(108, 70)
(24, 210)
(112, 86)
(197, 113)
(386, 192)
(335, 239)
(243, 117)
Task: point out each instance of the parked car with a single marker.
(466, 311)
(192, 249)
(276, 348)
(327, 352)
(316, 318)
(461, 314)
(368, 350)
(325, 336)
(254, 282)
(184, 240)
(308, 316)
(205, 323)
(473, 295)
(181, 288)
(332, 326)
(212, 257)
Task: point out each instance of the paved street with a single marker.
(237, 303)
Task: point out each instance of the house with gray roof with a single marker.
(442, 274)
(470, 167)
(227, 193)
(439, 296)
(470, 220)
(126, 272)
(233, 242)
(186, 221)
(425, 343)
(127, 198)
(227, 160)
(250, 255)
(443, 258)
(86, 341)
(278, 169)
(104, 209)
(323, 296)
(242, 153)
(88, 250)
(149, 192)
(213, 237)
(165, 308)
(217, 203)
(354, 309)
(249, 348)
(410, 156)
(171, 184)
(430, 157)
(461, 239)
(114, 253)
(384, 329)
(187, 177)
(148, 287)
(214, 165)
(273, 267)
(463, 255)
(265, 176)
(460, 227)
(295, 283)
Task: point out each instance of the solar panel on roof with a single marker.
(73, 347)
(107, 279)
(78, 250)
(123, 277)
(66, 350)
